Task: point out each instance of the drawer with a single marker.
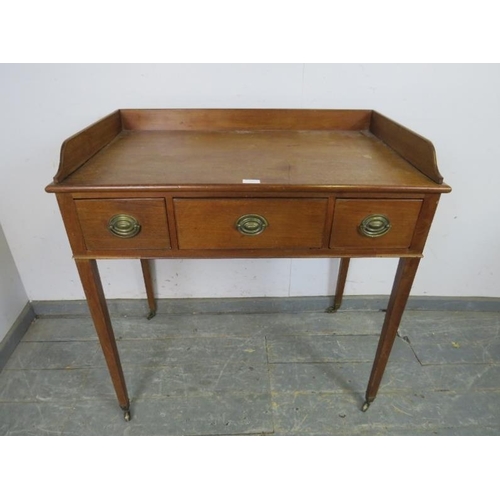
(223, 223)
(360, 223)
(116, 224)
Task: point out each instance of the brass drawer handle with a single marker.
(251, 224)
(374, 225)
(124, 226)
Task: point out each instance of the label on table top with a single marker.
(251, 181)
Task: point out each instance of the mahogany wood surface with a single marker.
(341, 280)
(91, 282)
(69, 215)
(424, 223)
(95, 215)
(416, 149)
(403, 282)
(211, 223)
(245, 119)
(247, 253)
(309, 149)
(349, 213)
(80, 147)
(303, 159)
(148, 282)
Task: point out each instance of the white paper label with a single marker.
(251, 181)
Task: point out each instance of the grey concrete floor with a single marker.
(257, 374)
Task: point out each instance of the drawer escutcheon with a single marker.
(124, 226)
(374, 225)
(251, 224)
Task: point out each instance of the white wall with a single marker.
(455, 106)
(13, 297)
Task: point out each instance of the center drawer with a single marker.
(216, 223)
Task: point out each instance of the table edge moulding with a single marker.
(246, 183)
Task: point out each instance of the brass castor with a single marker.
(126, 416)
(151, 314)
(365, 406)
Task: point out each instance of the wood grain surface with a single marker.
(211, 223)
(94, 217)
(77, 149)
(301, 159)
(348, 214)
(245, 119)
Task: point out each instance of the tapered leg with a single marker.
(405, 274)
(91, 281)
(341, 279)
(146, 272)
(339, 291)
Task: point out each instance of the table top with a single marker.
(227, 149)
(288, 158)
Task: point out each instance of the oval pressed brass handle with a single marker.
(124, 226)
(251, 224)
(374, 226)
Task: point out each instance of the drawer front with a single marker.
(359, 223)
(116, 224)
(221, 223)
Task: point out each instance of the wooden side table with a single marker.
(209, 183)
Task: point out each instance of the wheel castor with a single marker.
(365, 406)
(126, 416)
